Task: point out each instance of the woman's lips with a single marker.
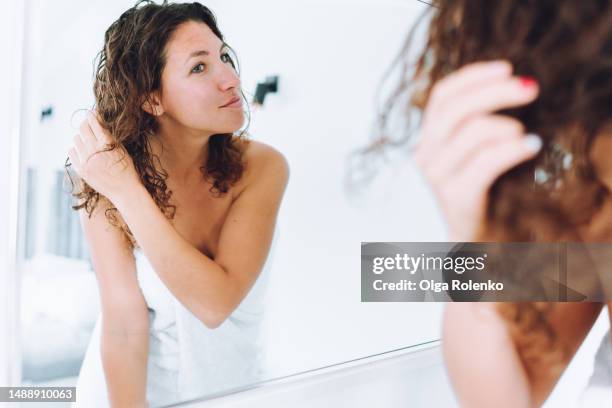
(234, 103)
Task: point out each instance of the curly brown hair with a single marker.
(566, 46)
(129, 69)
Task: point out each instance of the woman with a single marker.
(179, 211)
(512, 91)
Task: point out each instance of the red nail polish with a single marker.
(528, 82)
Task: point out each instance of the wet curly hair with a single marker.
(567, 47)
(128, 69)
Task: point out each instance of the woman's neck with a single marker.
(181, 152)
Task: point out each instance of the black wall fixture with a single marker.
(270, 85)
(46, 113)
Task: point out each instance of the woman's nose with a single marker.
(229, 78)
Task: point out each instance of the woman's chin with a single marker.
(233, 127)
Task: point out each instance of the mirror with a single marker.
(315, 68)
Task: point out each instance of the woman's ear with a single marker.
(152, 105)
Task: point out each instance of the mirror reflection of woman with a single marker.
(515, 145)
(179, 211)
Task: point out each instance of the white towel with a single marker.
(598, 392)
(187, 360)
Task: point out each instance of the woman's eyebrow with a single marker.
(203, 52)
(197, 54)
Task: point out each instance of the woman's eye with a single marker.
(198, 68)
(227, 58)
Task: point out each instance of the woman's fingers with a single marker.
(81, 150)
(506, 93)
(88, 138)
(492, 162)
(74, 159)
(464, 147)
(101, 135)
(474, 135)
(470, 76)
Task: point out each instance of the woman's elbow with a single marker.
(213, 317)
(213, 320)
(214, 314)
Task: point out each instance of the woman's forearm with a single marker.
(192, 277)
(124, 358)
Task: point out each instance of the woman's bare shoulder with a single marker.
(257, 152)
(265, 168)
(261, 158)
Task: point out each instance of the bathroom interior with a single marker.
(315, 71)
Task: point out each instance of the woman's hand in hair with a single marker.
(464, 147)
(109, 172)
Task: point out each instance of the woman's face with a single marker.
(200, 87)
